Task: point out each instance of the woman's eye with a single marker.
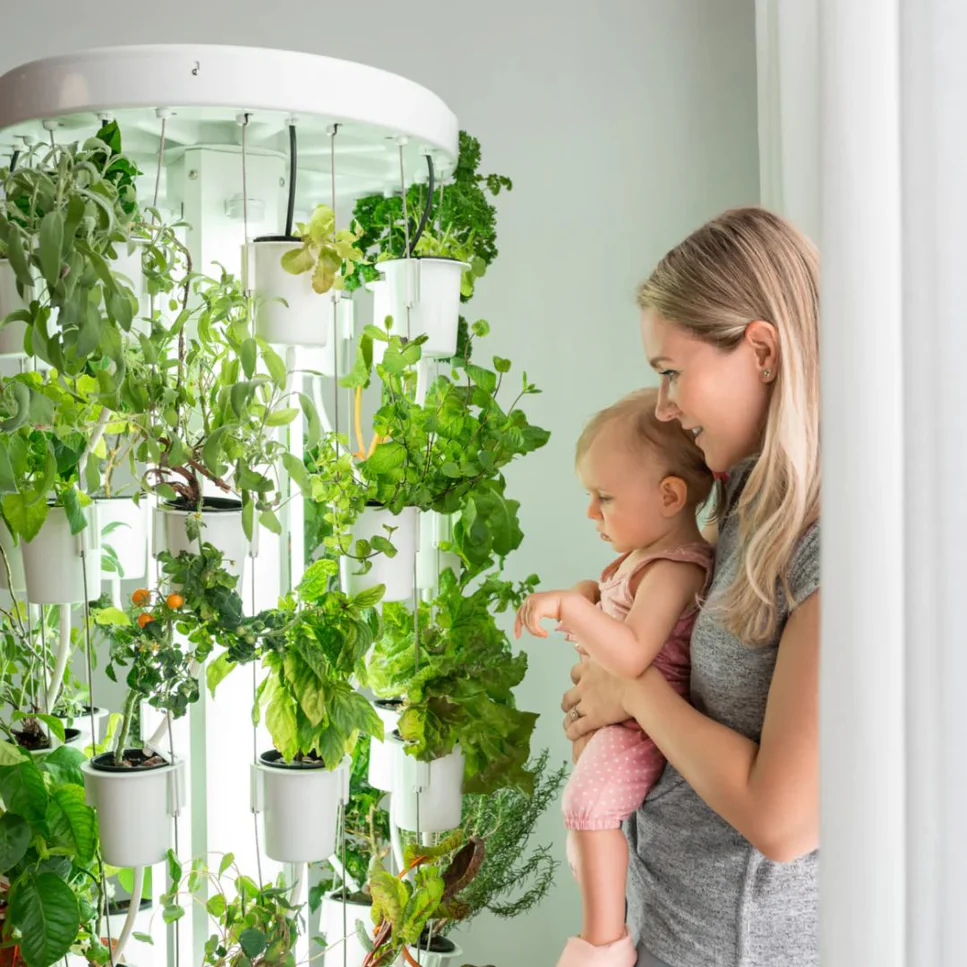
(669, 374)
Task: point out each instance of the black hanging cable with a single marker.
(424, 218)
(14, 158)
(293, 170)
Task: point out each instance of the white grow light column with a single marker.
(202, 90)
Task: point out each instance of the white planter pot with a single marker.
(129, 267)
(129, 534)
(381, 753)
(11, 335)
(221, 527)
(134, 809)
(299, 807)
(443, 953)
(14, 561)
(395, 572)
(433, 286)
(427, 796)
(431, 561)
(343, 945)
(305, 317)
(53, 568)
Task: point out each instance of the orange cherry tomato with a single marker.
(175, 601)
(141, 597)
(145, 619)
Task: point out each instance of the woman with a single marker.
(724, 851)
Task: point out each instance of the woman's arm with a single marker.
(769, 791)
(665, 591)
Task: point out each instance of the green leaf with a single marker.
(11, 754)
(21, 404)
(281, 417)
(270, 521)
(248, 353)
(252, 941)
(41, 409)
(370, 597)
(76, 517)
(174, 868)
(45, 910)
(212, 451)
(64, 765)
(240, 395)
(216, 906)
(111, 617)
(275, 365)
(23, 791)
(51, 240)
(171, 913)
(296, 470)
(313, 423)
(72, 822)
(24, 516)
(218, 671)
(386, 458)
(501, 365)
(15, 835)
(143, 937)
(226, 862)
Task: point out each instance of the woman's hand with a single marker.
(596, 700)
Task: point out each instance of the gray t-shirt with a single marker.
(699, 894)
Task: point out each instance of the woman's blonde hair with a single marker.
(682, 458)
(749, 264)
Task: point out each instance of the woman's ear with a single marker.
(674, 495)
(763, 338)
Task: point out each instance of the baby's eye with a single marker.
(603, 499)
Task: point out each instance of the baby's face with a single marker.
(625, 492)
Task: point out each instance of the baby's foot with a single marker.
(579, 953)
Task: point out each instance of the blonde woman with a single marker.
(724, 851)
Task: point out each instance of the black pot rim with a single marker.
(334, 896)
(273, 759)
(422, 258)
(209, 505)
(389, 703)
(86, 711)
(104, 763)
(438, 945)
(277, 238)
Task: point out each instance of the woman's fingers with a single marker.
(570, 699)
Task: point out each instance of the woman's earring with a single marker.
(766, 373)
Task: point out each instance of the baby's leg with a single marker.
(609, 783)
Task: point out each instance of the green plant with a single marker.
(258, 926)
(461, 689)
(462, 209)
(310, 647)
(511, 880)
(325, 252)
(48, 857)
(65, 209)
(197, 598)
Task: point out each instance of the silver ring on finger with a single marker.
(574, 714)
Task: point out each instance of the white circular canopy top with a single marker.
(204, 89)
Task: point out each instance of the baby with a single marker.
(646, 480)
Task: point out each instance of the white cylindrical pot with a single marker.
(433, 287)
(381, 753)
(134, 808)
(12, 334)
(54, 569)
(427, 796)
(343, 945)
(221, 526)
(14, 562)
(82, 725)
(442, 953)
(289, 311)
(431, 562)
(128, 534)
(299, 805)
(394, 572)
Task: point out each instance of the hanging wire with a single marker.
(89, 650)
(161, 154)
(244, 119)
(333, 131)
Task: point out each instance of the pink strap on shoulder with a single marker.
(697, 552)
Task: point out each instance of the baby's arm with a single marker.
(627, 648)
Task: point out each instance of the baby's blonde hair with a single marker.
(749, 264)
(648, 435)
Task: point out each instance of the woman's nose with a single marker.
(666, 409)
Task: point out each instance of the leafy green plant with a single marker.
(325, 252)
(409, 908)
(461, 691)
(316, 640)
(48, 857)
(257, 926)
(512, 879)
(463, 208)
(65, 209)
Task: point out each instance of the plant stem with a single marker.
(129, 704)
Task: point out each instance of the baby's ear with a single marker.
(674, 495)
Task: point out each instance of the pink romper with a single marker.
(620, 763)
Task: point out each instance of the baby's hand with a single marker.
(537, 607)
